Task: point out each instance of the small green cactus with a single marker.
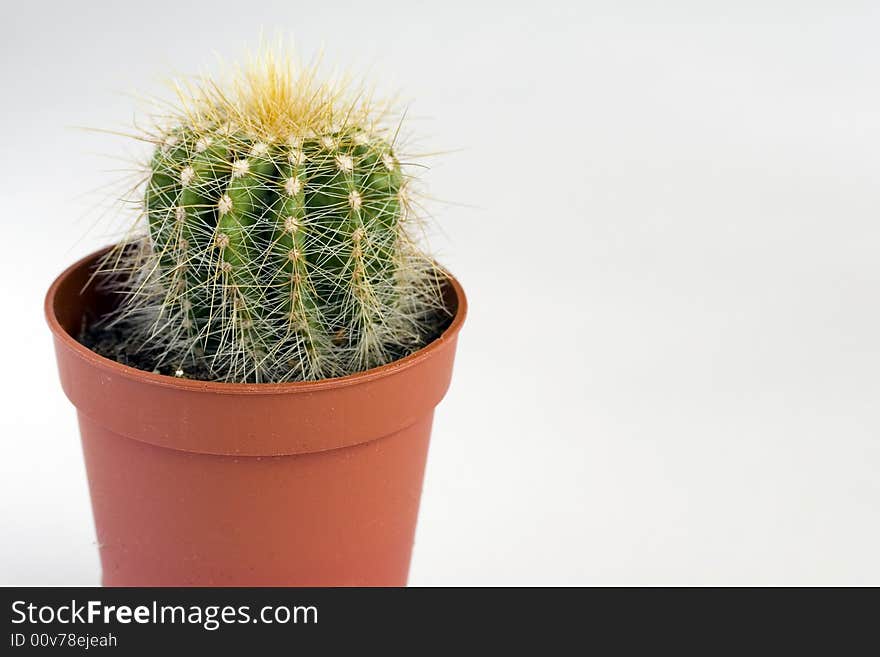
(279, 241)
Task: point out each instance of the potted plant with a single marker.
(255, 371)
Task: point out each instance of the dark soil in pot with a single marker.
(109, 342)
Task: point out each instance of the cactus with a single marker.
(278, 242)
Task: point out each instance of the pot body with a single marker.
(210, 484)
(334, 518)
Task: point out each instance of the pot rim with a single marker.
(218, 387)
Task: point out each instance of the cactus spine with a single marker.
(278, 243)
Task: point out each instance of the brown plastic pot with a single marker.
(219, 484)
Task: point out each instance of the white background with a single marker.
(667, 220)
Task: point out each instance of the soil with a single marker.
(107, 341)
